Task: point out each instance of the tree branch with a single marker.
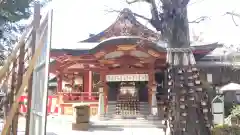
(134, 1)
(135, 14)
(233, 14)
(185, 2)
(131, 2)
(200, 19)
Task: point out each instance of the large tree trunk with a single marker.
(188, 108)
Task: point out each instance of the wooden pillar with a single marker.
(150, 83)
(59, 82)
(87, 83)
(59, 95)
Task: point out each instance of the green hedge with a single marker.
(226, 130)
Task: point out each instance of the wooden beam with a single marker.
(13, 55)
(12, 92)
(18, 85)
(35, 38)
(24, 84)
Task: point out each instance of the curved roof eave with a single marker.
(199, 51)
(121, 40)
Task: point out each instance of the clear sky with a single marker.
(74, 20)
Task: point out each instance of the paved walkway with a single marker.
(61, 125)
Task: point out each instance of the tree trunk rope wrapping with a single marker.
(188, 103)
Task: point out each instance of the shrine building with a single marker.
(127, 62)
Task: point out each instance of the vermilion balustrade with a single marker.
(80, 96)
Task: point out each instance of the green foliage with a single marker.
(235, 111)
(13, 11)
(226, 130)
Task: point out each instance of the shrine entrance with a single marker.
(127, 92)
(127, 100)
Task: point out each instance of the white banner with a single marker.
(127, 77)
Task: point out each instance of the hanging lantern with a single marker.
(182, 106)
(169, 70)
(169, 90)
(190, 84)
(198, 82)
(190, 78)
(183, 91)
(78, 80)
(191, 98)
(183, 121)
(170, 83)
(184, 114)
(194, 69)
(171, 118)
(199, 89)
(203, 103)
(182, 99)
(189, 70)
(191, 91)
(205, 110)
(180, 71)
(181, 78)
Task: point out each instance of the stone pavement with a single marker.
(61, 125)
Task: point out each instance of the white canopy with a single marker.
(230, 87)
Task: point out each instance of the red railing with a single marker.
(79, 96)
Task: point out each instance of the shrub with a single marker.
(226, 130)
(228, 106)
(236, 111)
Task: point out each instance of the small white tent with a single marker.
(230, 87)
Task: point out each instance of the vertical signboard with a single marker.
(40, 82)
(218, 110)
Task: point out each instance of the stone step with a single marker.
(126, 123)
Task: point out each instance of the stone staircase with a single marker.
(127, 123)
(111, 110)
(144, 109)
(141, 122)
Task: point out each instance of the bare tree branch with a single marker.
(135, 14)
(233, 15)
(195, 2)
(132, 1)
(200, 19)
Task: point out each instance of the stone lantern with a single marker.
(101, 106)
(153, 108)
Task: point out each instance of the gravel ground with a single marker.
(61, 125)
